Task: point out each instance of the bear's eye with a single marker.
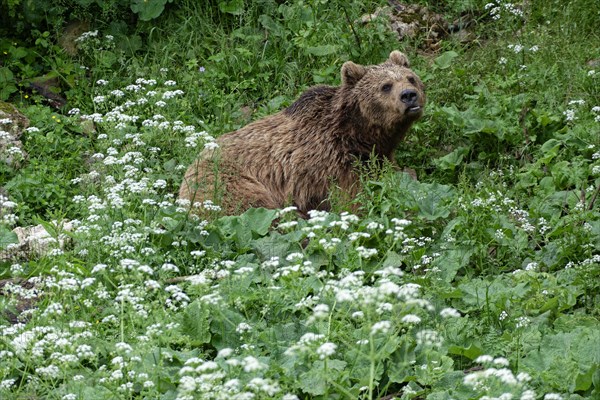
(386, 88)
(412, 80)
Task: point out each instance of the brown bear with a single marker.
(293, 157)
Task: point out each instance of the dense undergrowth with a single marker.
(481, 280)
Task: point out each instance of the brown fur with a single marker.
(294, 156)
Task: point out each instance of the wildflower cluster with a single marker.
(50, 349)
(380, 305)
(7, 209)
(575, 108)
(496, 381)
(228, 377)
(518, 48)
(498, 7)
(130, 278)
(10, 148)
(92, 45)
(123, 167)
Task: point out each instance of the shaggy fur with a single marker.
(293, 157)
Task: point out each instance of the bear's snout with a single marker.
(409, 97)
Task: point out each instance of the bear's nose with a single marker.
(409, 96)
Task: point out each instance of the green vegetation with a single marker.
(481, 280)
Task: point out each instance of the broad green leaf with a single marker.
(480, 125)
(471, 352)
(130, 43)
(401, 367)
(259, 220)
(584, 380)
(451, 160)
(18, 52)
(7, 85)
(233, 7)
(392, 259)
(275, 28)
(107, 58)
(6, 75)
(195, 322)
(564, 360)
(445, 60)
(432, 201)
(148, 9)
(314, 381)
(562, 172)
(453, 114)
(271, 246)
(222, 327)
(280, 335)
(97, 392)
(232, 227)
(320, 51)
(6, 90)
(549, 150)
(441, 395)
(7, 237)
(526, 180)
(479, 292)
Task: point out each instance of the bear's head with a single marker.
(389, 95)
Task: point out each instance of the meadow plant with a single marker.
(127, 215)
(496, 381)
(492, 251)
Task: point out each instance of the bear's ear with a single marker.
(352, 73)
(399, 58)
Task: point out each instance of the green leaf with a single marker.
(107, 58)
(314, 381)
(222, 326)
(271, 246)
(7, 86)
(451, 160)
(526, 180)
(401, 367)
(564, 360)
(549, 150)
(584, 380)
(240, 228)
(7, 237)
(195, 322)
(441, 395)
(233, 7)
(392, 259)
(233, 228)
(471, 352)
(562, 172)
(6, 75)
(450, 262)
(259, 220)
(432, 202)
(148, 9)
(481, 125)
(130, 43)
(96, 392)
(445, 60)
(321, 51)
(280, 335)
(275, 28)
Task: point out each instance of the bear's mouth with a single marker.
(413, 110)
